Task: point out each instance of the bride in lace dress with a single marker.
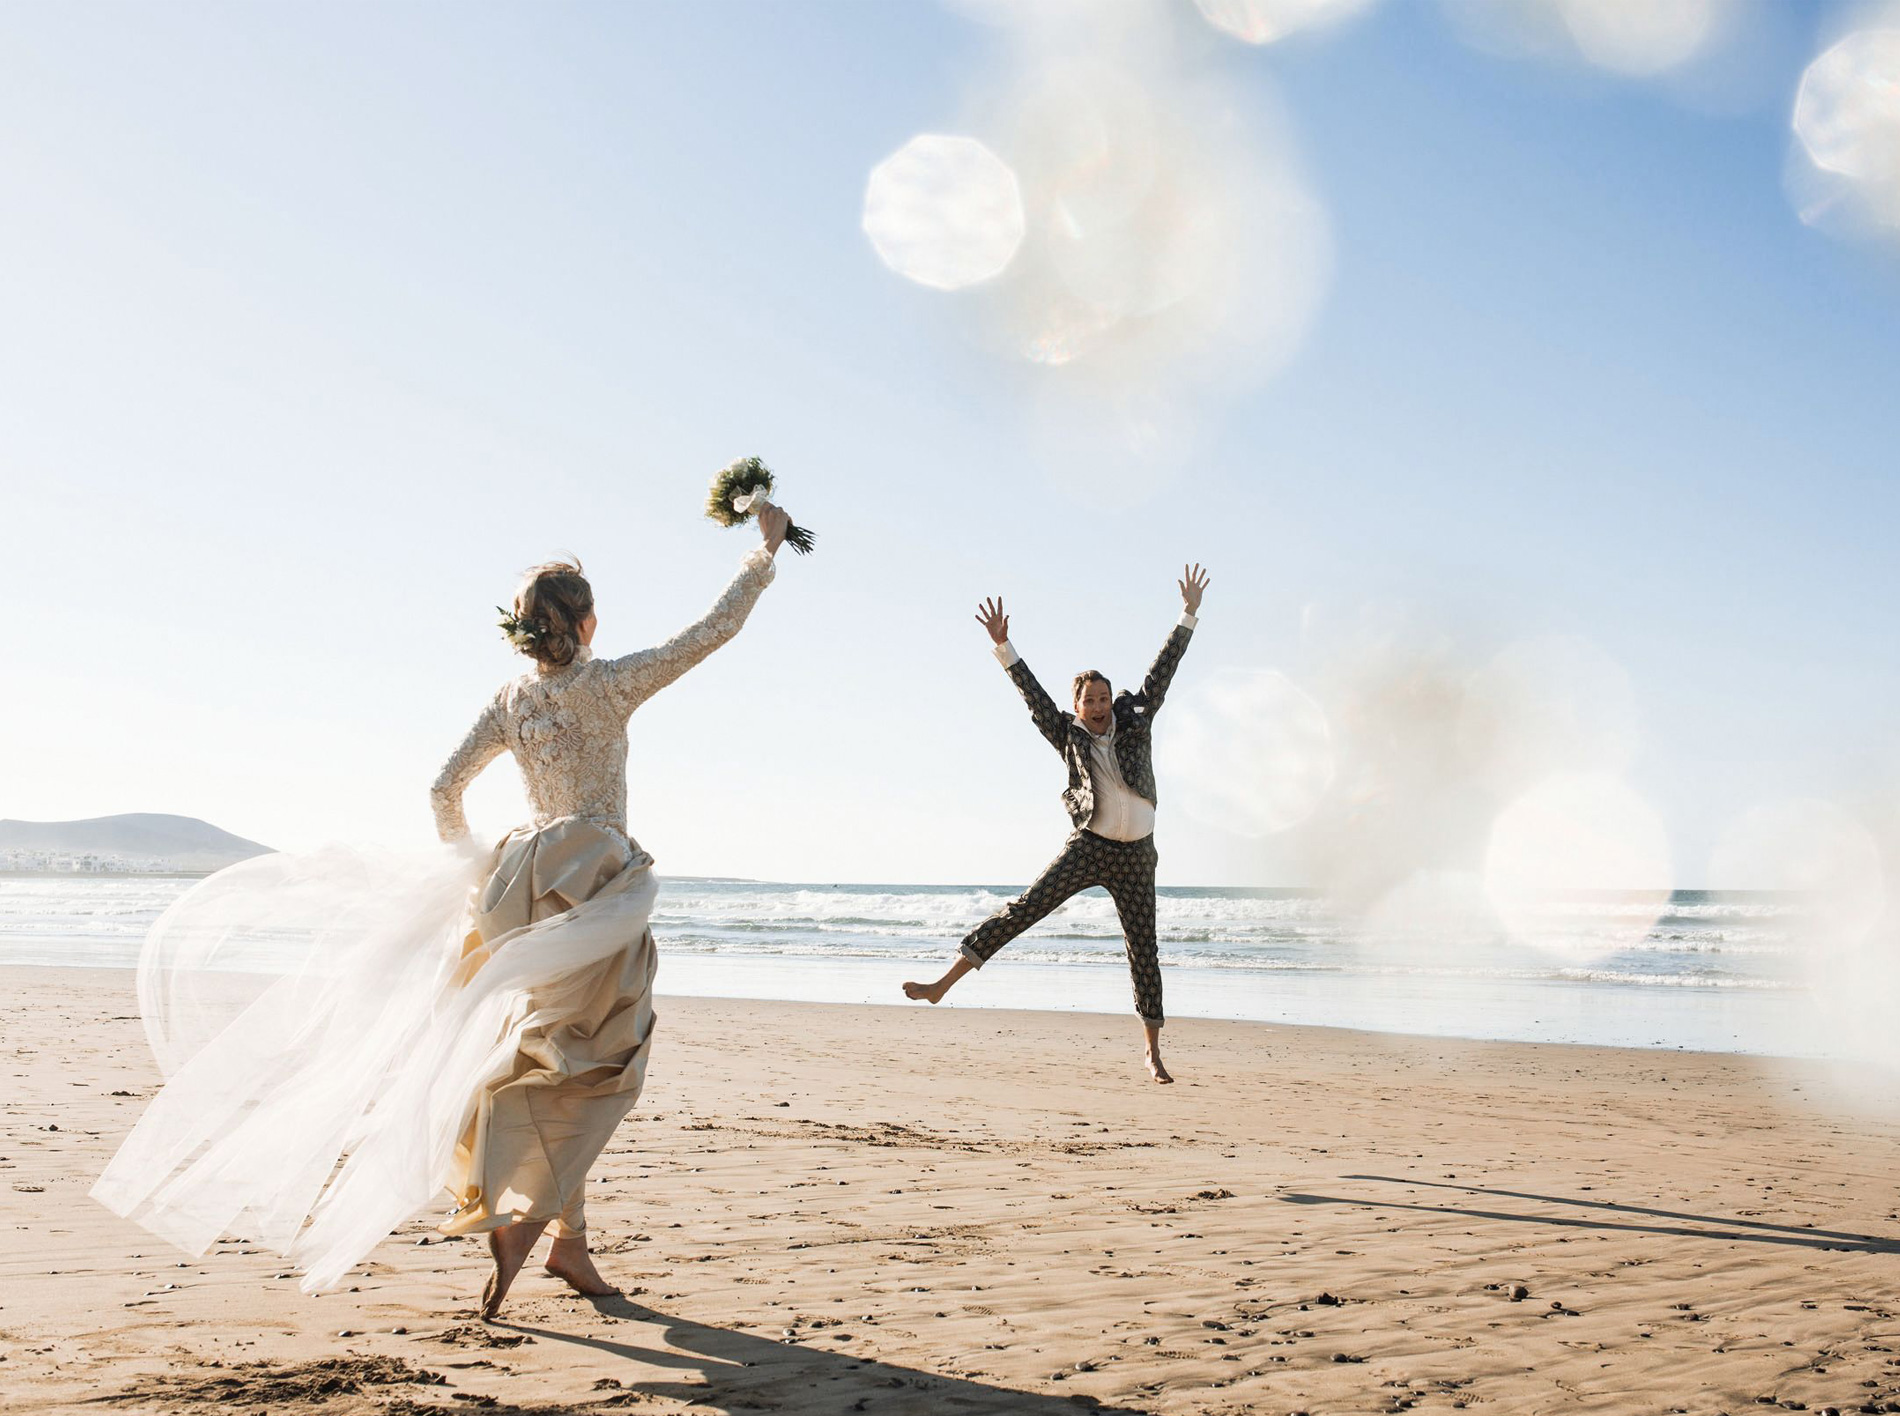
(477, 1024)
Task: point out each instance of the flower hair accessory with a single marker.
(524, 634)
(741, 491)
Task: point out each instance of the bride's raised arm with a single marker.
(485, 742)
(637, 677)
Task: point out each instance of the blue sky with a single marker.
(318, 322)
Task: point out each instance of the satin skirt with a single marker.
(577, 1067)
(348, 1035)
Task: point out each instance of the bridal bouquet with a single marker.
(740, 491)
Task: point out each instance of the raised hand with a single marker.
(989, 614)
(773, 525)
(1192, 583)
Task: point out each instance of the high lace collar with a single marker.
(581, 656)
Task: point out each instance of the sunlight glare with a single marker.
(1253, 748)
(1578, 834)
(944, 211)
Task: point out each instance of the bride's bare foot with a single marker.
(510, 1245)
(569, 1261)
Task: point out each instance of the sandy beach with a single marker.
(830, 1209)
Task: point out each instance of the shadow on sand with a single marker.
(720, 1370)
(1707, 1226)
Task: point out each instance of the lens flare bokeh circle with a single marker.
(944, 211)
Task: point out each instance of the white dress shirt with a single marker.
(1120, 814)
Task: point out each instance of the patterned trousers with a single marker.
(1126, 869)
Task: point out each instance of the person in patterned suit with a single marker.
(1110, 798)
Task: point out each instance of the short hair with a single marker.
(1086, 677)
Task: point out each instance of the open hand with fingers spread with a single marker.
(1193, 581)
(990, 615)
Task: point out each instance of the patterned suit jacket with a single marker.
(1134, 712)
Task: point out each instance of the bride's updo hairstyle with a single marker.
(549, 606)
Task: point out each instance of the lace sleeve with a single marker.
(486, 741)
(637, 677)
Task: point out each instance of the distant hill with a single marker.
(179, 842)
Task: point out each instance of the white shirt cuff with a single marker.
(1187, 620)
(1005, 653)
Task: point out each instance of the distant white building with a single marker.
(74, 863)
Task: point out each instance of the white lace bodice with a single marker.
(567, 727)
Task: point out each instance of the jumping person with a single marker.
(1111, 801)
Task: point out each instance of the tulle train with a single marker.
(328, 1027)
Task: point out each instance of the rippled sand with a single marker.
(830, 1209)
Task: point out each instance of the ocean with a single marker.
(1718, 971)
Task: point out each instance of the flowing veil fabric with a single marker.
(326, 1025)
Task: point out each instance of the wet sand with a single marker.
(831, 1209)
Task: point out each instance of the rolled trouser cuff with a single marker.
(969, 952)
(1155, 1022)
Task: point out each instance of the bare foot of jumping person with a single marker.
(510, 1245)
(569, 1261)
(1155, 1069)
(933, 992)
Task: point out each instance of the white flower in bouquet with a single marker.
(743, 489)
